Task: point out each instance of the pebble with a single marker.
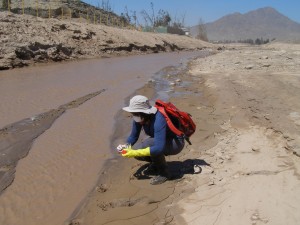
(236, 176)
(249, 67)
(266, 65)
(211, 183)
(254, 217)
(264, 57)
(227, 157)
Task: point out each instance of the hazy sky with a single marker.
(207, 10)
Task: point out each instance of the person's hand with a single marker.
(121, 147)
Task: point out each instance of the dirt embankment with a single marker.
(27, 39)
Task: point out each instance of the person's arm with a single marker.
(160, 133)
(135, 133)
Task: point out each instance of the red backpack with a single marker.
(179, 122)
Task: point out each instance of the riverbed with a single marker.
(64, 116)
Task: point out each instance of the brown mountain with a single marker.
(266, 23)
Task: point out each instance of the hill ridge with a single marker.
(266, 23)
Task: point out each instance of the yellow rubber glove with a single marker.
(130, 153)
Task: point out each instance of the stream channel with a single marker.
(56, 126)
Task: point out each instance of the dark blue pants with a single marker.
(173, 146)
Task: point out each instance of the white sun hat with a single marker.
(140, 103)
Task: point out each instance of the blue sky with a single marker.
(207, 10)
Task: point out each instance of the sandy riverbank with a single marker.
(245, 103)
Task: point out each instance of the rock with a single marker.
(254, 217)
(255, 149)
(249, 67)
(227, 157)
(264, 57)
(236, 176)
(17, 63)
(151, 81)
(266, 65)
(5, 64)
(296, 151)
(211, 183)
(101, 188)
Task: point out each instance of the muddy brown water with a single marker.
(56, 122)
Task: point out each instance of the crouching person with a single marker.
(161, 142)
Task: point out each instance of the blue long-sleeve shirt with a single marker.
(157, 129)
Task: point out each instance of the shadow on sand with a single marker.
(177, 169)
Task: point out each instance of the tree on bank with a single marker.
(202, 34)
(6, 3)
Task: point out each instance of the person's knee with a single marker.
(174, 150)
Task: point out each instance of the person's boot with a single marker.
(151, 170)
(162, 170)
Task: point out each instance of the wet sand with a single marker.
(17, 138)
(63, 163)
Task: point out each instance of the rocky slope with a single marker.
(26, 40)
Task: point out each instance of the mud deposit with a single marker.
(16, 139)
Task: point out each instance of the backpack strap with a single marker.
(169, 122)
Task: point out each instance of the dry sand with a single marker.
(255, 163)
(245, 103)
